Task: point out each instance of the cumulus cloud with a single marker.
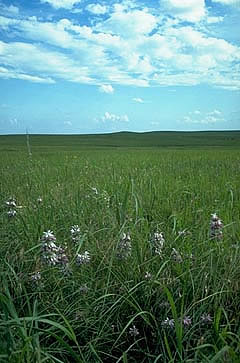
(57, 4)
(130, 46)
(97, 9)
(112, 117)
(106, 88)
(128, 23)
(227, 2)
(189, 10)
(197, 117)
(138, 100)
(9, 10)
(214, 19)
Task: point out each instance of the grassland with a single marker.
(179, 303)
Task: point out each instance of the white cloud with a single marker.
(214, 19)
(227, 2)
(197, 117)
(57, 4)
(138, 100)
(112, 117)
(106, 88)
(132, 47)
(67, 123)
(97, 9)
(7, 74)
(128, 24)
(190, 10)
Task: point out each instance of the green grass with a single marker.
(86, 316)
(123, 139)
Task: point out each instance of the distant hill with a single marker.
(156, 139)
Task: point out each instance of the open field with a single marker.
(146, 277)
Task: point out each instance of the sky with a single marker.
(99, 66)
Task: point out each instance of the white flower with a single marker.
(11, 213)
(216, 227)
(206, 318)
(134, 332)
(48, 236)
(124, 247)
(176, 256)
(170, 323)
(147, 275)
(39, 200)
(75, 233)
(36, 276)
(11, 203)
(75, 229)
(83, 259)
(187, 321)
(157, 242)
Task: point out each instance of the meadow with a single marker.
(120, 248)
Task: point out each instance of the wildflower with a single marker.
(36, 277)
(39, 200)
(182, 233)
(147, 275)
(11, 203)
(48, 236)
(75, 233)
(11, 213)
(176, 256)
(124, 247)
(83, 259)
(134, 332)
(216, 227)
(51, 253)
(157, 242)
(187, 321)
(168, 323)
(83, 289)
(62, 257)
(205, 318)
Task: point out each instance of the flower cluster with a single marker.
(83, 259)
(134, 332)
(216, 227)
(157, 242)
(11, 205)
(124, 247)
(206, 318)
(36, 277)
(51, 253)
(75, 233)
(186, 321)
(168, 323)
(176, 256)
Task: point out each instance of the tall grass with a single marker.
(88, 314)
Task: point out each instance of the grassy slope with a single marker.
(125, 139)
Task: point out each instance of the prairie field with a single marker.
(120, 248)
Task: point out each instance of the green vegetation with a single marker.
(124, 139)
(171, 297)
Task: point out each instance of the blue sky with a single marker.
(80, 66)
